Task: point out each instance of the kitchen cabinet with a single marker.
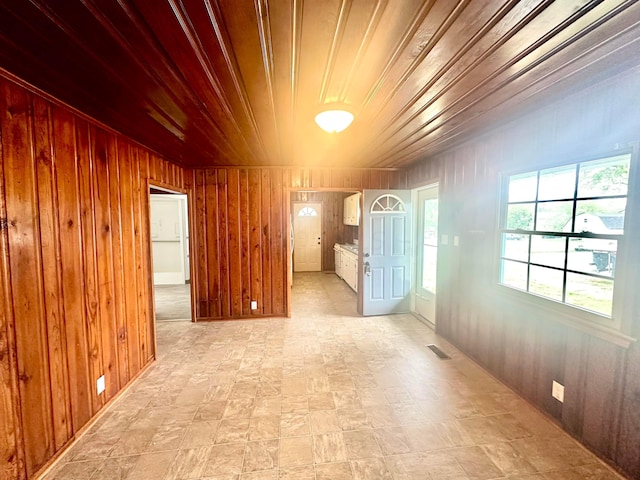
(351, 214)
(349, 268)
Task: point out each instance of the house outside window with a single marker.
(561, 231)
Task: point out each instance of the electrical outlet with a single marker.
(100, 385)
(557, 391)
(456, 240)
(444, 240)
(254, 305)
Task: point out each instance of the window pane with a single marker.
(520, 217)
(513, 274)
(546, 282)
(554, 216)
(431, 222)
(515, 246)
(609, 176)
(601, 216)
(547, 250)
(592, 255)
(429, 265)
(557, 183)
(522, 188)
(591, 293)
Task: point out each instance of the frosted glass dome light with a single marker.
(334, 121)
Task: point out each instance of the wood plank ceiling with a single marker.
(238, 82)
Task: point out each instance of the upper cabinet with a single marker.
(352, 209)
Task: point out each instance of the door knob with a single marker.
(367, 268)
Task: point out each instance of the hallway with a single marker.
(325, 395)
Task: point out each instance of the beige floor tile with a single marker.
(370, 469)
(329, 448)
(263, 428)
(188, 464)
(224, 460)
(210, 411)
(152, 466)
(200, 434)
(296, 451)
(334, 471)
(261, 455)
(324, 421)
(294, 425)
(167, 437)
(361, 444)
(297, 473)
(233, 430)
(321, 401)
(319, 396)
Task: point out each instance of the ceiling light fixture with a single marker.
(335, 119)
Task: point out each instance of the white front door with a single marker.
(307, 235)
(427, 252)
(386, 249)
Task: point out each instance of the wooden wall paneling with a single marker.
(601, 396)
(64, 132)
(105, 261)
(550, 367)
(119, 285)
(125, 157)
(91, 289)
(207, 200)
(25, 264)
(224, 242)
(278, 262)
(234, 235)
(628, 436)
(202, 227)
(51, 267)
(245, 249)
(140, 212)
(254, 226)
(12, 461)
(267, 270)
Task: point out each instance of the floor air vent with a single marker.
(441, 355)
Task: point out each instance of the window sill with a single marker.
(570, 316)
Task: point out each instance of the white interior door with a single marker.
(307, 234)
(386, 252)
(427, 252)
(168, 239)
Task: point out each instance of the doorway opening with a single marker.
(169, 237)
(426, 253)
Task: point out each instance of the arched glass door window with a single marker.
(388, 203)
(307, 212)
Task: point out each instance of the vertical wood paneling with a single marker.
(91, 293)
(25, 262)
(12, 464)
(75, 271)
(72, 282)
(254, 225)
(48, 222)
(525, 346)
(105, 262)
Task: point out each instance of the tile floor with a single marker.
(325, 395)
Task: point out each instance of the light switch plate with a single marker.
(456, 240)
(444, 240)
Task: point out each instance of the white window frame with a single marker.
(607, 327)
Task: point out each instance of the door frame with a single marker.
(293, 206)
(192, 282)
(289, 265)
(417, 256)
